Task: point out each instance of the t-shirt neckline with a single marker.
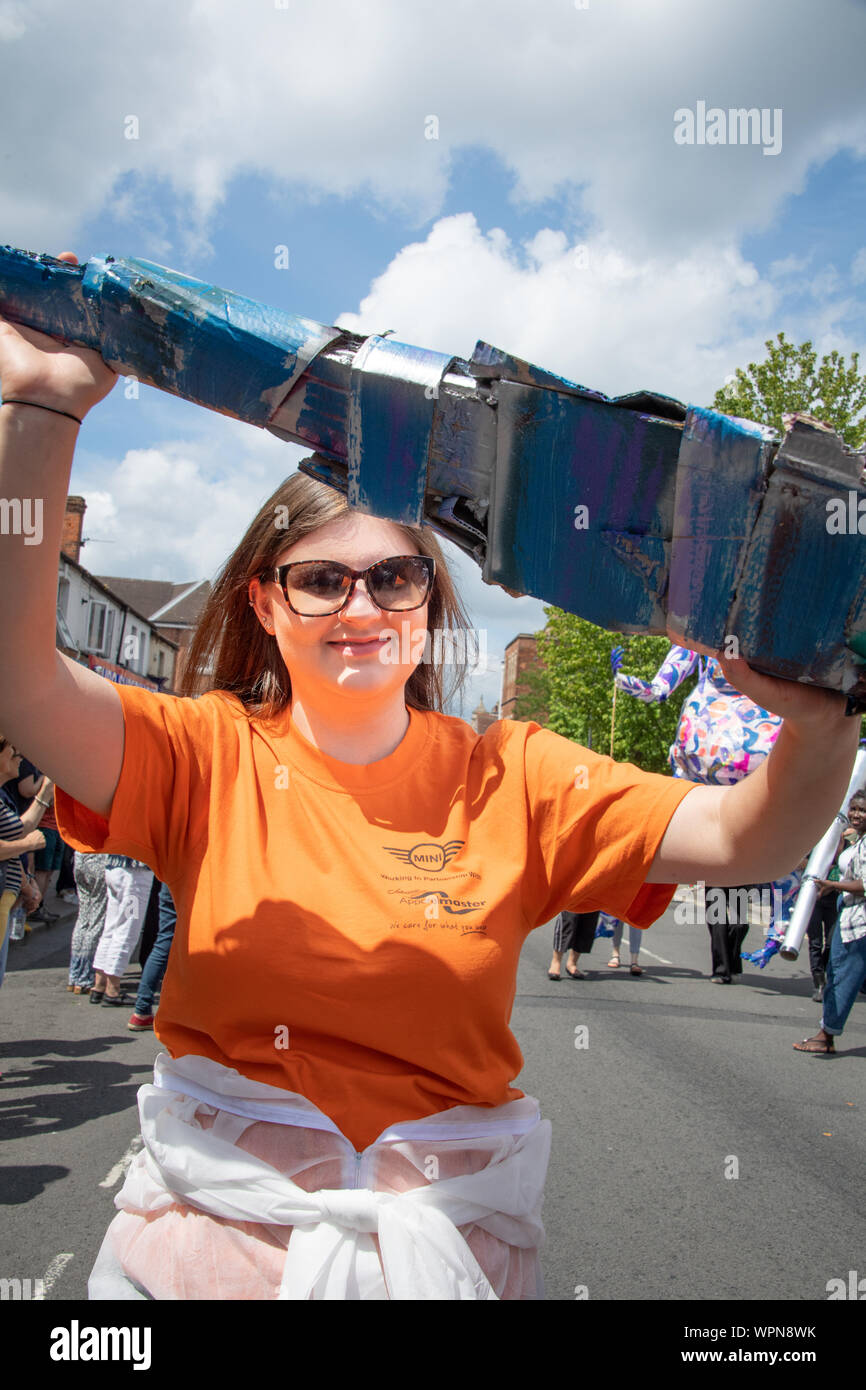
(330, 772)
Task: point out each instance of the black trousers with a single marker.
(820, 932)
(575, 931)
(727, 937)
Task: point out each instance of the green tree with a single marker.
(576, 655)
(791, 379)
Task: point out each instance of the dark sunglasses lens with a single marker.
(400, 584)
(316, 588)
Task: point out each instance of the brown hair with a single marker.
(230, 651)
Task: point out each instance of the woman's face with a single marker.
(857, 816)
(362, 650)
(10, 761)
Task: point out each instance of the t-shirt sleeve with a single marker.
(160, 807)
(595, 827)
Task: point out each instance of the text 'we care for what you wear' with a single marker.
(344, 968)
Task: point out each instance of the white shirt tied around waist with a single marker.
(331, 1254)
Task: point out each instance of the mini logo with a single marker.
(428, 856)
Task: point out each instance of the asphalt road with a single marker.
(695, 1154)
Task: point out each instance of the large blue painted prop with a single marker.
(636, 512)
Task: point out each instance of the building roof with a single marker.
(166, 604)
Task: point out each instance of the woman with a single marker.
(18, 836)
(89, 871)
(354, 875)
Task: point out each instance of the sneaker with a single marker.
(43, 916)
(69, 895)
(139, 1023)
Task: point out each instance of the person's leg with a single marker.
(47, 860)
(846, 971)
(155, 966)
(122, 928)
(615, 944)
(830, 918)
(66, 878)
(559, 927)
(719, 952)
(89, 878)
(582, 937)
(634, 938)
(815, 933)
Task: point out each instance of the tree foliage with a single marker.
(580, 689)
(791, 379)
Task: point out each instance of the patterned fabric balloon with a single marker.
(721, 737)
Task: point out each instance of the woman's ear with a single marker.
(260, 604)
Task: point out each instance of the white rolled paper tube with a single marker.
(819, 862)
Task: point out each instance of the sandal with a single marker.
(819, 1047)
(96, 996)
(114, 1001)
(613, 963)
(575, 974)
(551, 976)
(635, 970)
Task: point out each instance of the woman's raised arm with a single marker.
(67, 719)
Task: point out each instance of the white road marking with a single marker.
(646, 952)
(116, 1173)
(51, 1275)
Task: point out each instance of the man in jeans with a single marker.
(154, 967)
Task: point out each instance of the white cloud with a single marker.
(586, 311)
(335, 99)
(178, 510)
(858, 267)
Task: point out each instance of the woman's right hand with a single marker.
(46, 371)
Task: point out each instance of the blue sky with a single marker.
(553, 215)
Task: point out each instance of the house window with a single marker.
(100, 628)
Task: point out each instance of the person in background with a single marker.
(822, 924)
(634, 935)
(154, 968)
(18, 836)
(89, 870)
(846, 967)
(127, 883)
(573, 932)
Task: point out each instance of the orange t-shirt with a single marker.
(351, 932)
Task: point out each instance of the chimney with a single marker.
(73, 525)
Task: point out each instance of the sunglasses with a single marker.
(319, 588)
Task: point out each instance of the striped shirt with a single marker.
(11, 829)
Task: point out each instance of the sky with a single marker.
(548, 177)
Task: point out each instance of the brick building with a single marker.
(520, 654)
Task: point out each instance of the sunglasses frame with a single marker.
(279, 574)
